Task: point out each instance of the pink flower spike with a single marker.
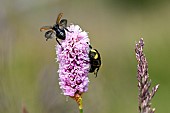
(73, 61)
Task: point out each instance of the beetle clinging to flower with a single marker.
(95, 60)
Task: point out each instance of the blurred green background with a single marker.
(28, 69)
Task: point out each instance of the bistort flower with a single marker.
(73, 60)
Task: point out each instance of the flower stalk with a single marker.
(144, 83)
(78, 98)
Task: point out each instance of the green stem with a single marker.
(79, 101)
(81, 110)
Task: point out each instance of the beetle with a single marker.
(57, 30)
(95, 60)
